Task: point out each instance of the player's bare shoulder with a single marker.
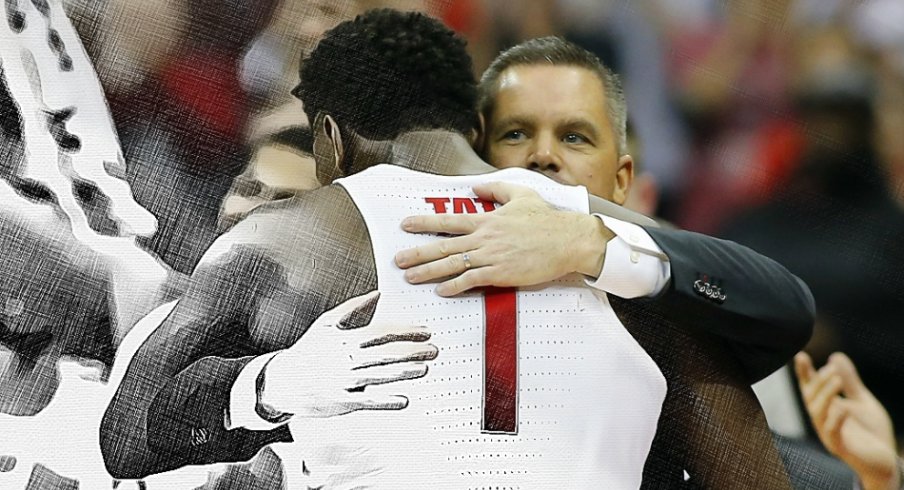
(268, 229)
(291, 238)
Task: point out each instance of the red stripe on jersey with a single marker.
(500, 393)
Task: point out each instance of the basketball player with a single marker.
(273, 305)
(224, 388)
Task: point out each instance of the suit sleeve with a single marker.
(169, 411)
(756, 307)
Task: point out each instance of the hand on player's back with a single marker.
(325, 372)
(525, 242)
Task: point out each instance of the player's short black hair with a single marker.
(388, 72)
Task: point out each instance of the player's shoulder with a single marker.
(277, 233)
(297, 210)
(267, 225)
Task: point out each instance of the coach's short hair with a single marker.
(556, 51)
(387, 72)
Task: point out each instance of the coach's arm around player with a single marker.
(762, 312)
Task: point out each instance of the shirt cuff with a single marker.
(635, 266)
(243, 398)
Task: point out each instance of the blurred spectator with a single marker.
(835, 225)
(129, 41)
(645, 192)
(172, 74)
(890, 127)
(532, 18)
(732, 74)
(470, 19)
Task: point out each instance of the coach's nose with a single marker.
(544, 156)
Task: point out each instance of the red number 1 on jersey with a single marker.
(500, 346)
(500, 362)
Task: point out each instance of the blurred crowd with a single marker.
(774, 123)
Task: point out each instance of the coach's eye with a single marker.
(514, 136)
(34, 191)
(574, 139)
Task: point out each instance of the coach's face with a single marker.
(553, 119)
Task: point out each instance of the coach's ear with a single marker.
(477, 138)
(624, 176)
(328, 149)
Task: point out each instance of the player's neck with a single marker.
(438, 152)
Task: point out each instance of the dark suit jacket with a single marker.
(169, 410)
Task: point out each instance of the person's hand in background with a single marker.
(849, 420)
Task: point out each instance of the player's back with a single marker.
(536, 388)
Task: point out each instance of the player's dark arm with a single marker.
(766, 314)
(169, 409)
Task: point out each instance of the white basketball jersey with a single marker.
(588, 396)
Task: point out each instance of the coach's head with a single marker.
(378, 76)
(551, 106)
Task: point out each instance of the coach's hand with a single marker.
(525, 242)
(324, 374)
